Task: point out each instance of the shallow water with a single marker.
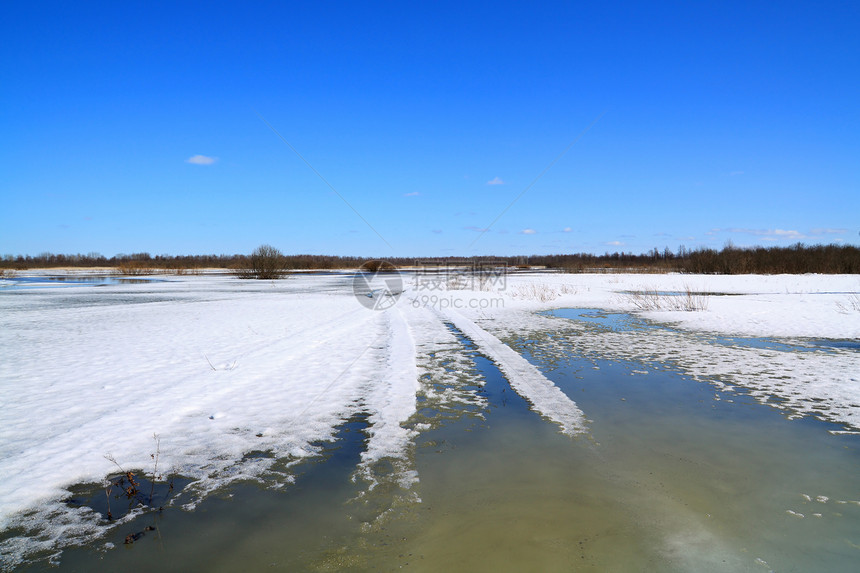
(26, 282)
(616, 321)
(623, 322)
(673, 476)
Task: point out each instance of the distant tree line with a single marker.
(799, 258)
(796, 259)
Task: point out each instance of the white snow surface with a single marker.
(219, 367)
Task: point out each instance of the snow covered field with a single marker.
(219, 367)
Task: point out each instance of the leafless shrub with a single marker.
(134, 268)
(266, 262)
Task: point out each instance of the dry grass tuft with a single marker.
(541, 292)
(851, 304)
(651, 299)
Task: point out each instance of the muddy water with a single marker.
(673, 476)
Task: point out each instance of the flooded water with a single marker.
(674, 475)
(622, 322)
(21, 282)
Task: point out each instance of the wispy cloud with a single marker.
(765, 234)
(528, 232)
(477, 229)
(413, 194)
(828, 231)
(437, 231)
(779, 234)
(495, 181)
(566, 230)
(614, 243)
(772, 234)
(787, 234)
(201, 160)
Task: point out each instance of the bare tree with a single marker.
(266, 262)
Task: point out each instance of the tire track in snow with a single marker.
(391, 401)
(545, 397)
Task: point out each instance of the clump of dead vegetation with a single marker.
(850, 304)
(129, 487)
(541, 292)
(687, 300)
(134, 268)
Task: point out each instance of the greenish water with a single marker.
(674, 476)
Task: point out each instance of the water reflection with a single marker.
(625, 322)
(21, 282)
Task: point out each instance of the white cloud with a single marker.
(495, 181)
(413, 194)
(201, 160)
(567, 230)
(614, 243)
(528, 231)
(788, 234)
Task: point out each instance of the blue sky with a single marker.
(132, 127)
